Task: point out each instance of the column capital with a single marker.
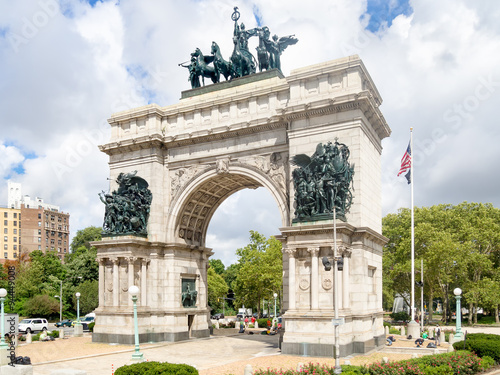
(115, 260)
(291, 251)
(345, 251)
(145, 261)
(102, 261)
(131, 259)
(314, 250)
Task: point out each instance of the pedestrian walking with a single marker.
(437, 335)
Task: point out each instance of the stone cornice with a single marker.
(202, 136)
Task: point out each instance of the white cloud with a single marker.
(71, 71)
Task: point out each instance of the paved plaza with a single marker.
(224, 353)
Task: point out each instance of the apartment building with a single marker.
(10, 228)
(41, 226)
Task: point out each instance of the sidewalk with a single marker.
(227, 353)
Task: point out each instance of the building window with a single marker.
(39, 239)
(39, 223)
(65, 250)
(5, 222)
(59, 219)
(52, 242)
(5, 247)
(5, 231)
(5, 255)
(15, 215)
(52, 217)
(39, 216)
(6, 239)
(15, 239)
(39, 247)
(58, 249)
(15, 231)
(15, 255)
(39, 232)
(15, 223)
(5, 214)
(46, 240)
(15, 247)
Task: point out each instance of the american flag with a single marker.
(406, 164)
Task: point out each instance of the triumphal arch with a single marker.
(312, 139)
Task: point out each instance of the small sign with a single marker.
(338, 322)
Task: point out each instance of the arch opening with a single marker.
(206, 193)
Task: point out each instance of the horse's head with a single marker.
(215, 48)
(197, 52)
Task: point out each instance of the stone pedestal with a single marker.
(4, 356)
(310, 298)
(16, 370)
(413, 329)
(78, 330)
(61, 333)
(160, 271)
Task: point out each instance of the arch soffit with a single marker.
(194, 207)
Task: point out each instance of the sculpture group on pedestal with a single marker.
(323, 182)
(242, 62)
(127, 209)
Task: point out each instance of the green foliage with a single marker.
(260, 272)
(156, 368)
(91, 327)
(54, 334)
(482, 344)
(35, 337)
(84, 236)
(89, 296)
(394, 331)
(401, 316)
(83, 266)
(42, 306)
(487, 362)
(217, 289)
(217, 266)
(460, 246)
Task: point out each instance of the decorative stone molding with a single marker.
(222, 165)
(291, 251)
(180, 177)
(314, 251)
(275, 166)
(304, 284)
(327, 283)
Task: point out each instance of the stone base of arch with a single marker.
(159, 270)
(309, 289)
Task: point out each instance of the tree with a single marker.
(84, 236)
(89, 296)
(460, 246)
(217, 266)
(217, 289)
(41, 306)
(260, 271)
(83, 266)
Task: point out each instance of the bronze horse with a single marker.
(202, 68)
(221, 66)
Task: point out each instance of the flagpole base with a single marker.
(413, 329)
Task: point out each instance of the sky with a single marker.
(67, 65)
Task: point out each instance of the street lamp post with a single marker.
(458, 332)
(3, 294)
(78, 308)
(137, 356)
(275, 295)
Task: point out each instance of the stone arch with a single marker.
(194, 207)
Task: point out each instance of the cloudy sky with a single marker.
(67, 65)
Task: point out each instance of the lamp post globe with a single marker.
(3, 294)
(457, 291)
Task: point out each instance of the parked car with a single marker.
(85, 321)
(65, 322)
(32, 325)
(218, 316)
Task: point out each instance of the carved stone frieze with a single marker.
(274, 165)
(181, 176)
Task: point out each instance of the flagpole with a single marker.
(412, 231)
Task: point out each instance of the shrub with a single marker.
(482, 344)
(394, 331)
(387, 324)
(91, 327)
(156, 368)
(35, 337)
(401, 316)
(54, 334)
(263, 322)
